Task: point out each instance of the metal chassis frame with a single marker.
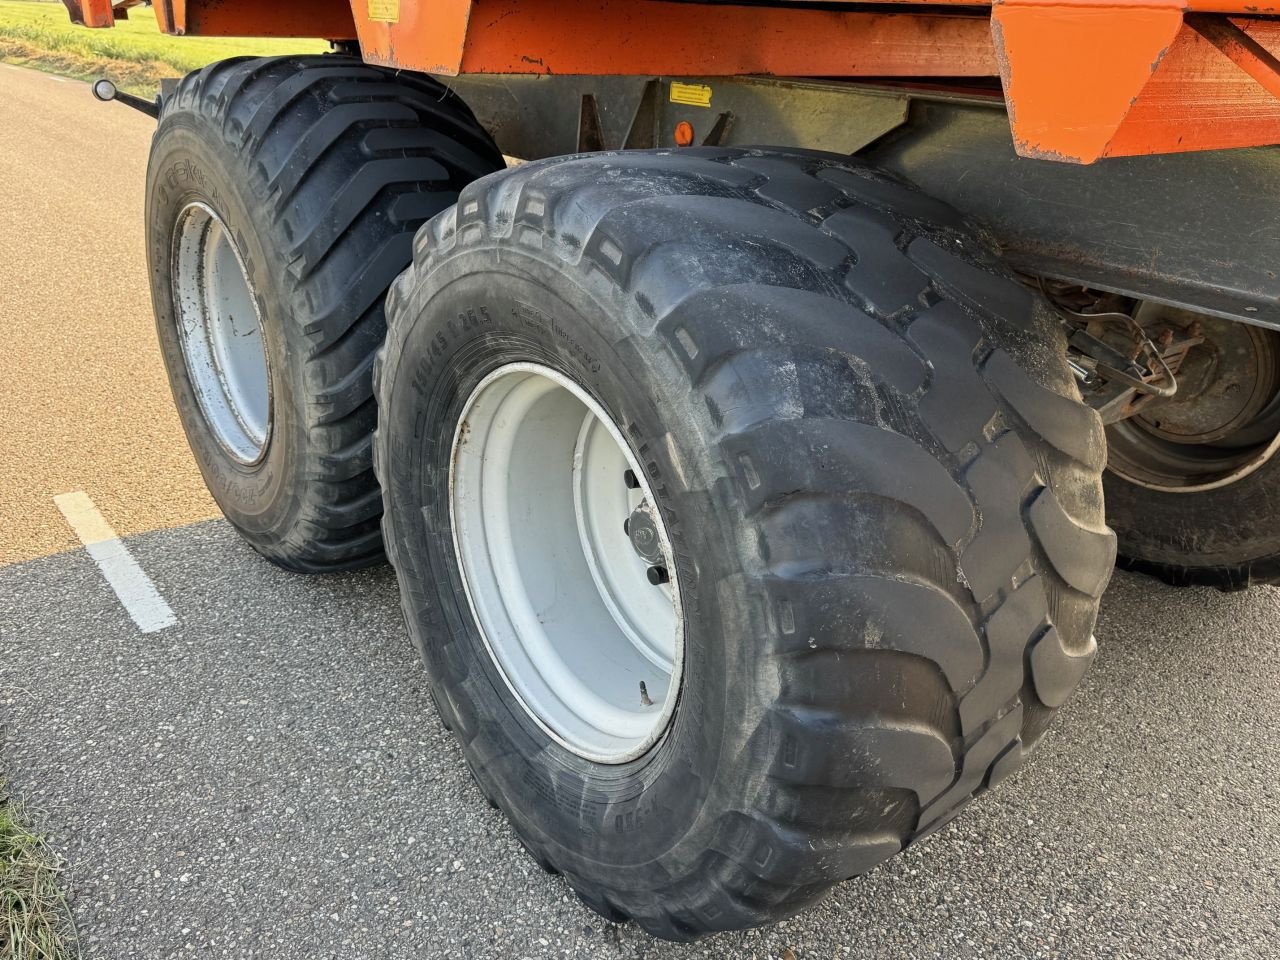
(1195, 230)
(1084, 79)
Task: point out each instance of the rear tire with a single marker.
(313, 174)
(881, 488)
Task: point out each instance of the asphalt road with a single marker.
(267, 778)
(84, 404)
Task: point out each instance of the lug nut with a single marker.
(629, 478)
(658, 575)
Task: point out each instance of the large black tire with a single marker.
(884, 493)
(323, 169)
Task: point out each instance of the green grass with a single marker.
(34, 921)
(133, 53)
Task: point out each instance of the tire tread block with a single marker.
(858, 752)
(984, 291)
(979, 762)
(768, 849)
(1009, 630)
(1055, 670)
(781, 316)
(893, 196)
(1002, 474)
(881, 275)
(954, 405)
(843, 458)
(1072, 427)
(867, 612)
(1082, 556)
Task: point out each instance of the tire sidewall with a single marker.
(639, 814)
(187, 165)
(1225, 529)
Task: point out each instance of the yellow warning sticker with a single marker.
(388, 11)
(690, 94)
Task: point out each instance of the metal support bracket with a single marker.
(106, 91)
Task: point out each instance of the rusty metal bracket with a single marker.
(1119, 368)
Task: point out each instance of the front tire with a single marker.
(881, 491)
(283, 195)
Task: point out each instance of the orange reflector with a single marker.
(684, 133)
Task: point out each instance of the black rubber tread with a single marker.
(926, 616)
(346, 161)
(1229, 578)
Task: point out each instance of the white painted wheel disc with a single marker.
(221, 333)
(543, 491)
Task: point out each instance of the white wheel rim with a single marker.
(220, 331)
(538, 498)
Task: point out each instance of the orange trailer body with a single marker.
(1083, 79)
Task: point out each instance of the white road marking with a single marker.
(136, 592)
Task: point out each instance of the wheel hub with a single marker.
(220, 331)
(642, 529)
(1221, 425)
(566, 564)
(1222, 386)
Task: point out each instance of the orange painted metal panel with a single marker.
(652, 37)
(1240, 45)
(329, 19)
(435, 31)
(1071, 71)
(1202, 6)
(425, 35)
(1198, 99)
(1086, 82)
(90, 13)
(1083, 79)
